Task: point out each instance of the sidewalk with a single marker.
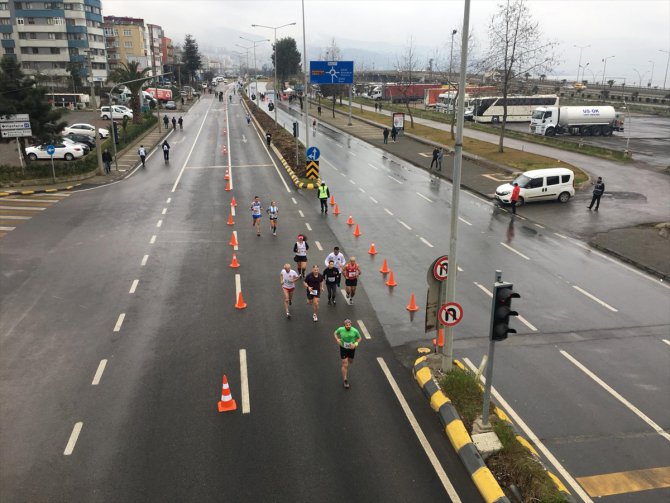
(649, 250)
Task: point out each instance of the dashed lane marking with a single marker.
(164, 211)
(539, 226)
(520, 318)
(394, 179)
(424, 241)
(144, 260)
(364, 329)
(373, 166)
(159, 223)
(666, 341)
(294, 201)
(464, 221)
(352, 182)
(14, 217)
(24, 208)
(168, 200)
(596, 299)
(119, 322)
(424, 197)
(153, 239)
(98, 373)
(318, 245)
(244, 381)
(236, 247)
(388, 211)
(515, 251)
(374, 200)
(301, 213)
(361, 189)
(69, 448)
(404, 225)
(309, 227)
(238, 286)
(133, 287)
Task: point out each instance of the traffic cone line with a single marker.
(225, 150)
(332, 200)
(391, 280)
(357, 231)
(228, 187)
(233, 202)
(385, 268)
(235, 264)
(412, 303)
(227, 175)
(336, 211)
(230, 219)
(226, 404)
(233, 239)
(372, 250)
(350, 220)
(240, 302)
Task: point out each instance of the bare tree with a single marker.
(516, 47)
(333, 53)
(406, 65)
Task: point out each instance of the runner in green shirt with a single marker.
(348, 338)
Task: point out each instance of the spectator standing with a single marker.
(107, 161)
(440, 157)
(598, 191)
(386, 135)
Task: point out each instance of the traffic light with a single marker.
(115, 132)
(501, 310)
(296, 130)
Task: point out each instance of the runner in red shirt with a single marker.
(351, 274)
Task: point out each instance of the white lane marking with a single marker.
(98, 373)
(373, 166)
(159, 223)
(119, 322)
(388, 211)
(195, 142)
(373, 200)
(267, 150)
(533, 438)
(164, 211)
(560, 235)
(238, 286)
(539, 226)
(426, 198)
(232, 210)
(153, 239)
(593, 297)
(483, 288)
(404, 225)
(341, 146)
(460, 269)
(352, 182)
(5, 228)
(352, 153)
(38, 201)
(515, 251)
(168, 200)
(27, 208)
(69, 448)
(426, 242)
(294, 201)
(13, 217)
(144, 260)
(334, 168)
(446, 483)
(343, 174)
(464, 221)
(236, 247)
(658, 429)
(309, 227)
(344, 294)
(361, 189)
(244, 380)
(521, 318)
(318, 245)
(394, 179)
(666, 341)
(301, 213)
(133, 287)
(364, 329)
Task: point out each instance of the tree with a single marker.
(20, 95)
(288, 59)
(74, 69)
(610, 83)
(190, 58)
(208, 76)
(134, 78)
(406, 65)
(516, 47)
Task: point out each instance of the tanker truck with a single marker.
(592, 120)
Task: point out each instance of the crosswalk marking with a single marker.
(18, 209)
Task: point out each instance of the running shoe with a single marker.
(346, 384)
(351, 302)
(315, 318)
(288, 315)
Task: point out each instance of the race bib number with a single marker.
(313, 292)
(348, 345)
(331, 279)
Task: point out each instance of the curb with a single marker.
(38, 191)
(486, 483)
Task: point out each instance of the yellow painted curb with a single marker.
(438, 400)
(487, 485)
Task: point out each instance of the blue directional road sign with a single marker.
(51, 150)
(331, 72)
(313, 154)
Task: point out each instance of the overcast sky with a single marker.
(633, 31)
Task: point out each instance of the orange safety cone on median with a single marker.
(230, 219)
(240, 302)
(233, 202)
(336, 211)
(226, 404)
(350, 220)
(228, 187)
(372, 250)
(233, 240)
(235, 264)
(385, 268)
(357, 231)
(332, 200)
(439, 342)
(391, 280)
(226, 176)
(412, 303)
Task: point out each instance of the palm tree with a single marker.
(132, 75)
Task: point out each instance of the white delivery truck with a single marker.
(587, 120)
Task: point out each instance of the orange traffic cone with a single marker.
(226, 404)
(385, 268)
(235, 264)
(350, 220)
(332, 200)
(226, 176)
(357, 231)
(228, 186)
(439, 342)
(412, 303)
(225, 150)
(372, 250)
(233, 202)
(391, 280)
(233, 240)
(240, 302)
(336, 211)
(230, 219)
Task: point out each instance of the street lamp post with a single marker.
(640, 77)
(604, 60)
(651, 78)
(583, 70)
(581, 48)
(275, 28)
(247, 50)
(255, 75)
(666, 67)
(451, 99)
(98, 146)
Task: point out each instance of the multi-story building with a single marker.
(48, 38)
(127, 41)
(167, 54)
(154, 35)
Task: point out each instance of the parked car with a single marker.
(540, 185)
(87, 129)
(116, 113)
(82, 138)
(170, 105)
(72, 143)
(67, 152)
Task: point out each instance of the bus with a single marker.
(519, 108)
(69, 100)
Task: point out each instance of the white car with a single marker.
(71, 143)
(540, 185)
(85, 129)
(63, 151)
(116, 113)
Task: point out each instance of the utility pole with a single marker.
(98, 143)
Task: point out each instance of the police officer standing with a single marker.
(323, 197)
(598, 191)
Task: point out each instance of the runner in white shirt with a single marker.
(273, 213)
(337, 257)
(256, 209)
(287, 278)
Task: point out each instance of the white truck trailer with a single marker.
(591, 120)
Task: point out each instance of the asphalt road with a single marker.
(117, 322)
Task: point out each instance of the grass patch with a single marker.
(463, 390)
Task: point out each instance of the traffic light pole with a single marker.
(489, 362)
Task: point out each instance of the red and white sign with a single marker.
(450, 314)
(441, 268)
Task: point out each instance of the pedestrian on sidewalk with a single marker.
(347, 338)
(268, 138)
(166, 121)
(394, 133)
(182, 101)
(314, 127)
(323, 194)
(314, 285)
(174, 123)
(376, 106)
(143, 154)
(181, 123)
(380, 108)
(287, 279)
(434, 159)
(514, 198)
(107, 161)
(440, 157)
(386, 135)
(598, 191)
(318, 109)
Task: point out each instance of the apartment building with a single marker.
(127, 41)
(47, 38)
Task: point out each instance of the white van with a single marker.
(540, 185)
(117, 112)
